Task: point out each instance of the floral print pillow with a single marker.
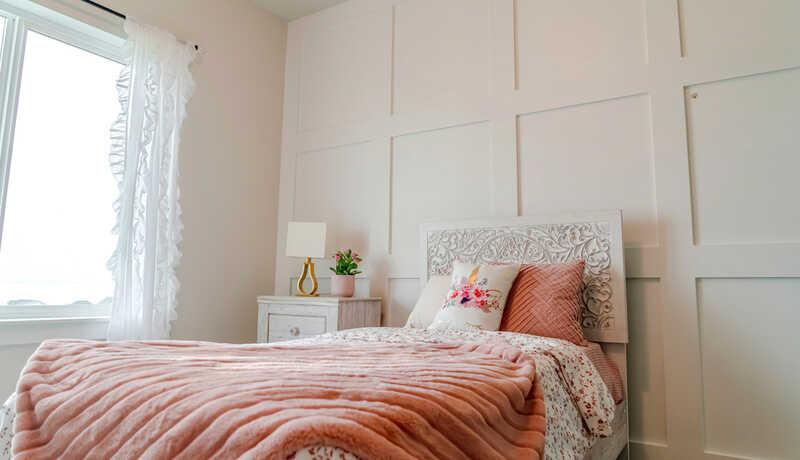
(477, 296)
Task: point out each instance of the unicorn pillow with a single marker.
(477, 296)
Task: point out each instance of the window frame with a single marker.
(22, 16)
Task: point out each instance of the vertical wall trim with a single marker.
(516, 44)
(393, 82)
(518, 176)
(681, 26)
(390, 194)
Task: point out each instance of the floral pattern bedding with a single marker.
(579, 407)
(7, 426)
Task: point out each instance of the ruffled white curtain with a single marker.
(153, 90)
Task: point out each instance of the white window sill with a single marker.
(21, 313)
(31, 324)
(57, 325)
(67, 320)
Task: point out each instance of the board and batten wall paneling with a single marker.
(760, 163)
(764, 28)
(647, 407)
(559, 167)
(343, 59)
(571, 42)
(750, 379)
(430, 182)
(437, 61)
(400, 296)
(338, 186)
(681, 113)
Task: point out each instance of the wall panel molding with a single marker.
(647, 404)
(441, 51)
(739, 37)
(604, 158)
(437, 159)
(727, 161)
(734, 365)
(516, 105)
(595, 42)
(402, 292)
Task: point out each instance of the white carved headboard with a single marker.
(595, 237)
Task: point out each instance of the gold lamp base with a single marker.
(308, 267)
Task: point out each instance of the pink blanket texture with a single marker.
(192, 400)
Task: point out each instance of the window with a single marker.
(56, 187)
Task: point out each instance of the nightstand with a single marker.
(287, 318)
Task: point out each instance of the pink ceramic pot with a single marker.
(343, 285)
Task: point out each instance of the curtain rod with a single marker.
(114, 12)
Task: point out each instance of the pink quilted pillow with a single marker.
(546, 300)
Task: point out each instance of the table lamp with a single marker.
(306, 239)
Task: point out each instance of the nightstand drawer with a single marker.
(288, 318)
(287, 327)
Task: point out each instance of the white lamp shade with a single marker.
(306, 239)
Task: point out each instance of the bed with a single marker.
(594, 236)
(564, 379)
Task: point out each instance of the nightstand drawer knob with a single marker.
(295, 331)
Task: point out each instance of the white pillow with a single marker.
(429, 302)
(477, 296)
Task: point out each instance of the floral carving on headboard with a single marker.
(536, 244)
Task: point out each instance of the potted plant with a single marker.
(343, 282)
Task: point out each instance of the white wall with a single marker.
(229, 164)
(682, 113)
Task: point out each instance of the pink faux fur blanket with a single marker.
(191, 400)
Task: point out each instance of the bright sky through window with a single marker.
(58, 219)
